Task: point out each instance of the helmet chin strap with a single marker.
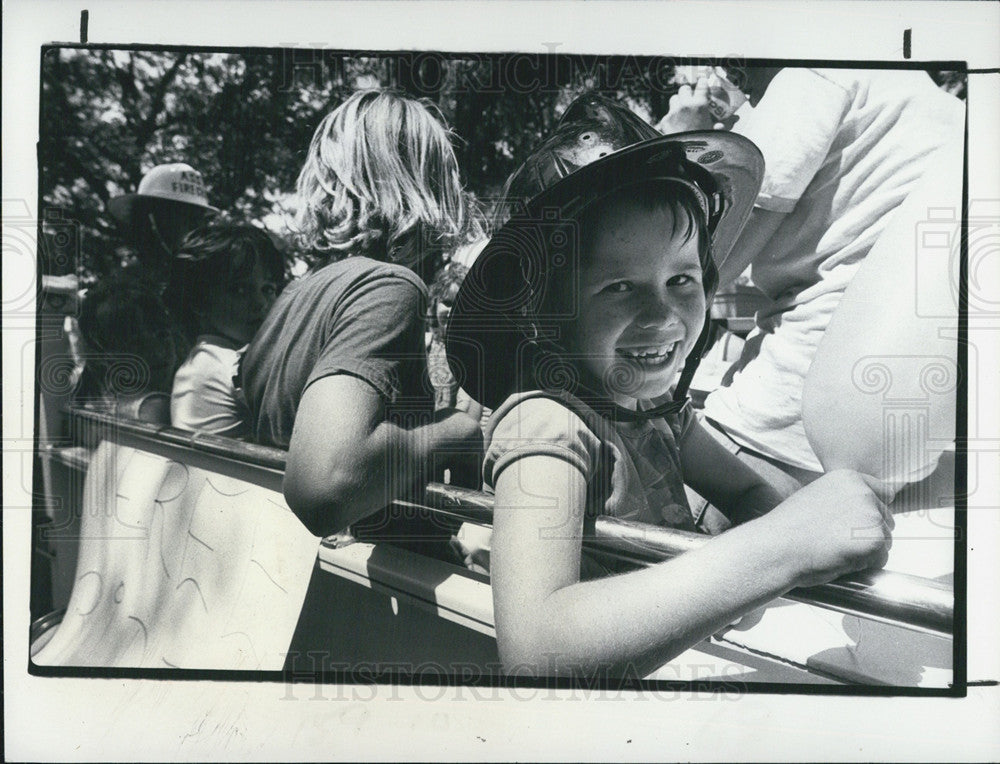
(694, 358)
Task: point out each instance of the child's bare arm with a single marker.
(345, 461)
(730, 485)
(549, 622)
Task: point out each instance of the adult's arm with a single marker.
(794, 124)
(750, 245)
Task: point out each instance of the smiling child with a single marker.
(574, 324)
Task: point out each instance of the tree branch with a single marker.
(126, 81)
(88, 175)
(156, 101)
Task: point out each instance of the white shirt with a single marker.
(204, 397)
(842, 149)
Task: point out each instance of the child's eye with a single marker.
(618, 287)
(682, 279)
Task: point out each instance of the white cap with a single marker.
(177, 182)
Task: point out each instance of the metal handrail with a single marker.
(904, 600)
(103, 424)
(916, 603)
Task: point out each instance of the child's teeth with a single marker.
(652, 352)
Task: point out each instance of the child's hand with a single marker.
(463, 454)
(458, 426)
(463, 402)
(835, 525)
(688, 110)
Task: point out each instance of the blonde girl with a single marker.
(337, 373)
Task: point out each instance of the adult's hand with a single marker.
(688, 110)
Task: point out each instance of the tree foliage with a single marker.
(244, 119)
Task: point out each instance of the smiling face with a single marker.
(642, 304)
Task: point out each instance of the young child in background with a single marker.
(337, 373)
(223, 281)
(578, 316)
(441, 296)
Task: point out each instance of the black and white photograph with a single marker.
(484, 372)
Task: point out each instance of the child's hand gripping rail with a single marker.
(901, 599)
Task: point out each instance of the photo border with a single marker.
(961, 580)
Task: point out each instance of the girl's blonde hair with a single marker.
(381, 179)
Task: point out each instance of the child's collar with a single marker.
(669, 408)
(631, 414)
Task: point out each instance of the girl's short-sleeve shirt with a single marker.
(632, 469)
(355, 316)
